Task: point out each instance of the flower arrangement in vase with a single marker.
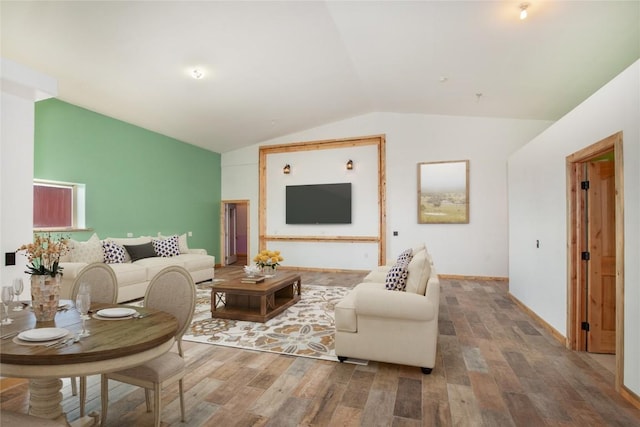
(44, 267)
(268, 261)
(44, 254)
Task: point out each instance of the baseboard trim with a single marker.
(633, 398)
(477, 278)
(547, 327)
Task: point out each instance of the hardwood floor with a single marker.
(496, 367)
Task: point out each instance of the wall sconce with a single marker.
(286, 169)
(350, 165)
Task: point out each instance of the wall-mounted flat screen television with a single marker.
(318, 204)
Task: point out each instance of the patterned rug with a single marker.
(304, 329)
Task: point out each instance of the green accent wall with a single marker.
(137, 181)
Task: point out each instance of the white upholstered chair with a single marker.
(374, 323)
(172, 290)
(103, 287)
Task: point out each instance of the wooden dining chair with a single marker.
(171, 290)
(103, 287)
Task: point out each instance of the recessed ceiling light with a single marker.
(197, 73)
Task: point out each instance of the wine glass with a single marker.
(83, 302)
(7, 297)
(18, 287)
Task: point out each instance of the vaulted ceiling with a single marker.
(273, 68)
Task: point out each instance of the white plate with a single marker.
(43, 334)
(116, 312)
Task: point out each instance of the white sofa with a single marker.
(133, 276)
(374, 323)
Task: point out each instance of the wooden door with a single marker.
(601, 292)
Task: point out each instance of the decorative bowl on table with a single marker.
(251, 270)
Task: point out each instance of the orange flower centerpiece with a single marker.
(268, 261)
(44, 267)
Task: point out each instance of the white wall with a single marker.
(538, 208)
(478, 248)
(21, 87)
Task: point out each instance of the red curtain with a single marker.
(52, 206)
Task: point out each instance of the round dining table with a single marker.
(113, 343)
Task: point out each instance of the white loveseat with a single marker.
(133, 276)
(374, 323)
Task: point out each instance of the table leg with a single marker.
(45, 401)
(45, 398)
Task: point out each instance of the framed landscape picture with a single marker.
(443, 192)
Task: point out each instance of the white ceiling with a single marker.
(273, 68)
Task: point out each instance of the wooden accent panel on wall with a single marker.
(377, 140)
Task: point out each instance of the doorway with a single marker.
(596, 250)
(234, 223)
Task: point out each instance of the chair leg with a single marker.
(104, 398)
(83, 394)
(181, 399)
(147, 399)
(74, 387)
(156, 407)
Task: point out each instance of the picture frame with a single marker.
(443, 192)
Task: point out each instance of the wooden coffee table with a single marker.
(255, 302)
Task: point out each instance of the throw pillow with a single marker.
(182, 243)
(166, 247)
(137, 252)
(396, 279)
(129, 241)
(419, 270)
(113, 252)
(88, 252)
(405, 256)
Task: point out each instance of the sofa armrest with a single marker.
(197, 251)
(395, 305)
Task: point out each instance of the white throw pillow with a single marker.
(419, 248)
(182, 243)
(419, 271)
(89, 251)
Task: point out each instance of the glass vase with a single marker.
(269, 271)
(45, 296)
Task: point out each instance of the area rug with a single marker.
(305, 329)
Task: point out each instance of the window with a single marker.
(58, 205)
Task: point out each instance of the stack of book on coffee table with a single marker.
(252, 279)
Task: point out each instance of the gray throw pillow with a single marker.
(137, 252)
